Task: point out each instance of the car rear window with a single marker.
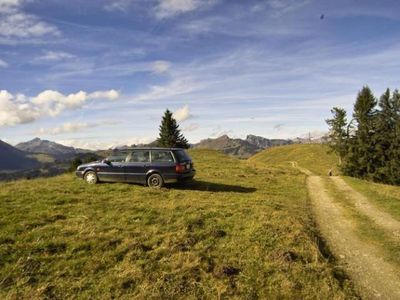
(161, 156)
(181, 155)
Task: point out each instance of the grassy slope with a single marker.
(314, 157)
(238, 232)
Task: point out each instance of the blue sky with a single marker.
(97, 74)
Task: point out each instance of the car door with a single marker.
(137, 165)
(163, 162)
(113, 170)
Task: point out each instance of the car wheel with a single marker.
(155, 181)
(91, 177)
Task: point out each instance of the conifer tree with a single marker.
(170, 134)
(337, 132)
(362, 147)
(394, 148)
(384, 137)
(372, 139)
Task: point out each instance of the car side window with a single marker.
(140, 156)
(161, 156)
(117, 157)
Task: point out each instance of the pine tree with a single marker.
(362, 152)
(337, 132)
(383, 138)
(394, 148)
(371, 144)
(170, 134)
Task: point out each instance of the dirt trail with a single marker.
(381, 218)
(374, 277)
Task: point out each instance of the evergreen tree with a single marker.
(370, 147)
(394, 148)
(170, 134)
(337, 132)
(362, 152)
(383, 138)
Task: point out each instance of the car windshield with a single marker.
(181, 155)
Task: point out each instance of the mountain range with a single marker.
(58, 151)
(239, 147)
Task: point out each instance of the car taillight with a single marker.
(180, 168)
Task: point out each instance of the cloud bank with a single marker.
(15, 23)
(20, 109)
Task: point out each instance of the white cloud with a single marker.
(15, 23)
(7, 6)
(54, 56)
(3, 64)
(161, 66)
(191, 127)
(65, 128)
(118, 5)
(170, 8)
(182, 113)
(14, 110)
(20, 109)
(175, 88)
(98, 145)
(110, 95)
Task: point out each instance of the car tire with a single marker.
(91, 177)
(155, 181)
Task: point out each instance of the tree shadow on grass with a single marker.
(199, 185)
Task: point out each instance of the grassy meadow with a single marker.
(240, 231)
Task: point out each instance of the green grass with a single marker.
(238, 232)
(314, 157)
(386, 197)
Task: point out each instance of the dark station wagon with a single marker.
(151, 166)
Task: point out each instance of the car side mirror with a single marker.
(106, 161)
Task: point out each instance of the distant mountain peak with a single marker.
(239, 147)
(54, 149)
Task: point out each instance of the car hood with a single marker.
(91, 164)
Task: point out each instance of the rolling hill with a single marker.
(13, 159)
(314, 157)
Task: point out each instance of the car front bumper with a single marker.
(79, 174)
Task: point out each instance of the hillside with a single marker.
(314, 157)
(12, 159)
(238, 232)
(58, 151)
